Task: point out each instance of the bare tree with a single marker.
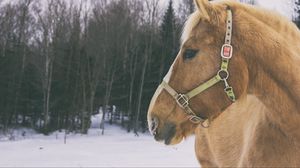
(50, 26)
(23, 26)
(186, 7)
(152, 19)
(8, 26)
(253, 2)
(61, 63)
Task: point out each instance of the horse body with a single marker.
(244, 136)
(262, 128)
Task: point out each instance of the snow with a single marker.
(116, 148)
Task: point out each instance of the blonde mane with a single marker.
(189, 25)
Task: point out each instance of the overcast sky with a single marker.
(285, 7)
(282, 6)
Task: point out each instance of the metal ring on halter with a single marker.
(228, 89)
(182, 100)
(205, 124)
(222, 75)
(195, 119)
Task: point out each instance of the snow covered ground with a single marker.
(116, 148)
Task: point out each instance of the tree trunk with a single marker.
(139, 104)
(84, 122)
(21, 51)
(130, 102)
(109, 84)
(47, 89)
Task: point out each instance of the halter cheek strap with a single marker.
(222, 76)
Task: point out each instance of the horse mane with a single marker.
(189, 25)
(279, 23)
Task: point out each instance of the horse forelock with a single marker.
(189, 25)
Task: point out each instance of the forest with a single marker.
(63, 61)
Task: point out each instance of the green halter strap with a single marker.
(222, 75)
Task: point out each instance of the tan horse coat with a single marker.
(245, 135)
(263, 127)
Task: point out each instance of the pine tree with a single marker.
(169, 39)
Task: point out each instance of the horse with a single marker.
(235, 84)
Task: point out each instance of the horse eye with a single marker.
(189, 53)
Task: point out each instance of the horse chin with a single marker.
(174, 141)
(169, 135)
(179, 137)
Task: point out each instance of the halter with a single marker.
(222, 76)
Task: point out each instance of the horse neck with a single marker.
(273, 74)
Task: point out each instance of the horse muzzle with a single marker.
(164, 133)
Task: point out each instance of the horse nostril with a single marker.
(154, 126)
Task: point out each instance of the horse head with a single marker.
(207, 76)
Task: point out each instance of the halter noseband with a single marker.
(222, 75)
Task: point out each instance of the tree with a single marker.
(9, 62)
(296, 19)
(24, 20)
(186, 7)
(51, 25)
(61, 62)
(16, 31)
(169, 36)
(149, 34)
(252, 2)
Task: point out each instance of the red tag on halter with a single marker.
(226, 51)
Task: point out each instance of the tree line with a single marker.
(62, 62)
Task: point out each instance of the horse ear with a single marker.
(204, 7)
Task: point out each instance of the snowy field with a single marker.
(115, 149)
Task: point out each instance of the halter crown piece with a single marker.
(222, 76)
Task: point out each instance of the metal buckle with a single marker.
(194, 119)
(205, 124)
(223, 74)
(182, 100)
(228, 89)
(227, 51)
